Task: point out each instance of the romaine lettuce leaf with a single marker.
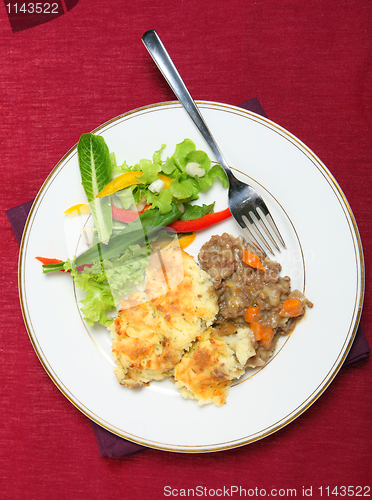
(95, 169)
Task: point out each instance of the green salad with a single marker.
(132, 207)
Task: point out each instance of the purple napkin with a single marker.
(109, 444)
(112, 446)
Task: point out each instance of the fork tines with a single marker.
(259, 228)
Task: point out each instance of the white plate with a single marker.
(324, 259)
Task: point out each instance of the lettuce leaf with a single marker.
(106, 282)
(162, 200)
(183, 186)
(98, 299)
(196, 212)
(95, 166)
(150, 171)
(156, 157)
(205, 182)
(125, 198)
(136, 232)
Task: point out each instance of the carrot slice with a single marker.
(263, 334)
(252, 314)
(291, 308)
(252, 260)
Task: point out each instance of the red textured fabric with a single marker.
(309, 63)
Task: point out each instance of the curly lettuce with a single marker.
(183, 187)
(108, 281)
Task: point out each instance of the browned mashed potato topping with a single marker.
(154, 328)
(204, 325)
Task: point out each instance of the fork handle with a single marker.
(165, 64)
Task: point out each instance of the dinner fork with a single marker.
(245, 203)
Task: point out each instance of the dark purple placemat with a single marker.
(109, 444)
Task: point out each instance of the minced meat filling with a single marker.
(241, 287)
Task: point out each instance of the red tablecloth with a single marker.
(309, 63)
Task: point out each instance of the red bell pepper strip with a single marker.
(45, 260)
(123, 215)
(186, 226)
(56, 264)
(53, 264)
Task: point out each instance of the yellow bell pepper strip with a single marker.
(186, 240)
(252, 260)
(126, 216)
(126, 180)
(166, 180)
(80, 208)
(291, 308)
(182, 242)
(120, 182)
(187, 226)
